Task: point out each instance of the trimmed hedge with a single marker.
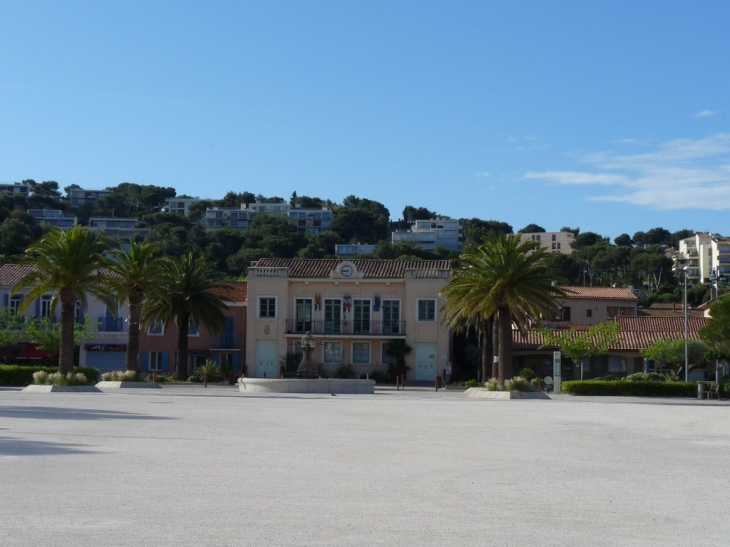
(630, 389)
(22, 375)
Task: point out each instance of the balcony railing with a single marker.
(111, 324)
(358, 328)
(226, 341)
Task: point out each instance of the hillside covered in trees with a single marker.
(639, 260)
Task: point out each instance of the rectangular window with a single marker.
(302, 315)
(589, 313)
(565, 313)
(14, 304)
(361, 353)
(192, 328)
(156, 360)
(391, 317)
(386, 357)
(332, 353)
(267, 307)
(157, 328)
(427, 310)
(361, 316)
(332, 316)
(46, 305)
(616, 363)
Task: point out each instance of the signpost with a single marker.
(557, 365)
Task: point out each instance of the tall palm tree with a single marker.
(504, 277)
(67, 264)
(183, 292)
(135, 271)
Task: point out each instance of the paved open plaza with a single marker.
(193, 466)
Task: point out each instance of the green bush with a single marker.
(518, 383)
(473, 383)
(124, 376)
(631, 388)
(379, 376)
(344, 371)
(22, 375)
(492, 384)
(211, 370)
(641, 377)
(526, 373)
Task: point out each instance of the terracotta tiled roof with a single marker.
(614, 293)
(11, 273)
(371, 268)
(239, 292)
(636, 333)
(669, 310)
(660, 324)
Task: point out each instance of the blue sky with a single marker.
(611, 116)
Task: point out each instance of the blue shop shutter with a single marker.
(145, 360)
(229, 325)
(216, 358)
(236, 362)
(165, 360)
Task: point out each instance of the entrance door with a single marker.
(425, 362)
(266, 359)
(361, 317)
(332, 316)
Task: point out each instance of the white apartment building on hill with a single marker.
(554, 242)
(702, 254)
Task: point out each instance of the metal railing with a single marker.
(354, 327)
(111, 324)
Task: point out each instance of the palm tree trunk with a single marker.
(66, 350)
(505, 345)
(495, 345)
(135, 312)
(487, 345)
(183, 372)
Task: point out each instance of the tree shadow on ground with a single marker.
(52, 413)
(12, 446)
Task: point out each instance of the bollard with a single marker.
(437, 382)
(205, 380)
(154, 377)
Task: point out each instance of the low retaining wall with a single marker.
(479, 393)
(60, 389)
(127, 385)
(294, 385)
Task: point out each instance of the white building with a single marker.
(307, 220)
(702, 254)
(118, 227)
(80, 196)
(554, 242)
(430, 234)
(15, 188)
(351, 250)
(236, 218)
(53, 217)
(180, 206)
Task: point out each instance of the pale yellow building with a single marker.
(353, 308)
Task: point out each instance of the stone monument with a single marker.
(308, 368)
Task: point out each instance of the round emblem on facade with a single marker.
(346, 270)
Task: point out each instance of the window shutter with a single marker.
(165, 360)
(145, 360)
(216, 358)
(236, 362)
(38, 307)
(7, 299)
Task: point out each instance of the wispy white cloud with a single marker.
(679, 174)
(481, 174)
(705, 113)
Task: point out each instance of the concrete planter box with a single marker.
(479, 393)
(61, 389)
(128, 385)
(293, 385)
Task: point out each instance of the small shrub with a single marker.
(492, 384)
(526, 373)
(518, 383)
(141, 376)
(379, 376)
(473, 383)
(129, 376)
(40, 377)
(344, 371)
(194, 378)
(22, 375)
(535, 383)
(641, 377)
(211, 370)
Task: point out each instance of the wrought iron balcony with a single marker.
(357, 328)
(111, 324)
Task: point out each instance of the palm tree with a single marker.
(504, 277)
(67, 264)
(182, 292)
(135, 272)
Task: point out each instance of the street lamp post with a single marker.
(686, 328)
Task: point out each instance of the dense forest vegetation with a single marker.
(639, 260)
